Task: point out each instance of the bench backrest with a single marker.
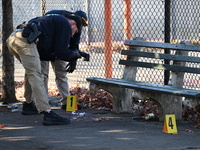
(177, 66)
(181, 56)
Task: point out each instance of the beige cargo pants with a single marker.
(28, 55)
(59, 68)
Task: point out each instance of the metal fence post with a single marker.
(127, 20)
(108, 37)
(167, 37)
(43, 6)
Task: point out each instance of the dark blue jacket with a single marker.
(55, 37)
(75, 40)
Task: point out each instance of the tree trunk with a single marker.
(8, 95)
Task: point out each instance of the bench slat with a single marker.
(160, 66)
(146, 86)
(161, 56)
(184, 47)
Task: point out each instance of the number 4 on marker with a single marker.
(170, 124)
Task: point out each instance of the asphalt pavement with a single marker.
(93, 130)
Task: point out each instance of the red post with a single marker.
(128, 20)
(108, 37)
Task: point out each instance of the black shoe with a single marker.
(29, 109)
(52, 118)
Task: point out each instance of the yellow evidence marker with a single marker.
(170, 124)
(71, 103)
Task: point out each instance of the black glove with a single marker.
(71, 66)
(77, 54)
(85, 55)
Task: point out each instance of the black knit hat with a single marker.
(76, 18)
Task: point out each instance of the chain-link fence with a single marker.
(111, 22)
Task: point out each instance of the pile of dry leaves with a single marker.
(90, 99)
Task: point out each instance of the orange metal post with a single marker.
(108, 37)
(128, 20)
